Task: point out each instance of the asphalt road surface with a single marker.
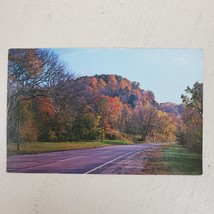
(119, 159)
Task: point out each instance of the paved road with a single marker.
(120, 159)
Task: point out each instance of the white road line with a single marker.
(68, 159)
(110, 162)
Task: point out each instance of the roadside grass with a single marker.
(178, 160)
(40, 147)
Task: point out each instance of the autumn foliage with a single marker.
(191, 133)
(47, 103)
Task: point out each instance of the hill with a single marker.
(172, 108)
(117, 86)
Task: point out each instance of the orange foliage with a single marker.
(46, 106)
(101, 84)
(93, 82)
(124, 83)
(112, 82)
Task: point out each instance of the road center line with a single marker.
(110, 161)
(68, 159)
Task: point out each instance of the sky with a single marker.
(166, 72)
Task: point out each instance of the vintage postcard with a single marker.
(105, 111)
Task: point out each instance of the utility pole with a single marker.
(19, 123)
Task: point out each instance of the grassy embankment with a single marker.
(173, 159)
(178, 160)
(39, 147)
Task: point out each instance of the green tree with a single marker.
(193, 100)
(86, 127)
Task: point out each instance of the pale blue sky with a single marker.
(166, 72)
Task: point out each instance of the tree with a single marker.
(32, 73)
(143, 119)
(86, 127)
(164, 129)
(194, 98)
(44, 113)
(28, 129)
(109, 109)
(192, 117)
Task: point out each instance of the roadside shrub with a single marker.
(86, 127)
(52, 136)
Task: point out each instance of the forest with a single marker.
(48, 103)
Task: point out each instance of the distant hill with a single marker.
(171, 108)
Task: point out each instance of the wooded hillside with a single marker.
(46, 102)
